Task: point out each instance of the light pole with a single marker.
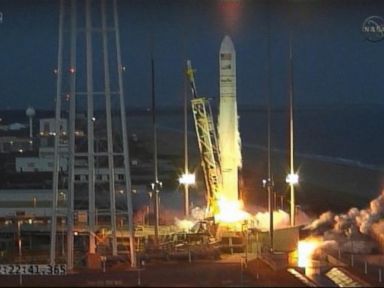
(157, 184)
(30, 112)
(268, 184)
(187, 179)
(150, 193)
(19, 221)
(156, 189)
(349, 235)
(292, 178)
(244, 228)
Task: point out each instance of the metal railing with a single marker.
(373, 273)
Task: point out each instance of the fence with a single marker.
(358, 264)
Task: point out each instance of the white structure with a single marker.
(229, 138)
(37, 164)
(37, 202)
(45, 161)
(32, 202)
(47, 126)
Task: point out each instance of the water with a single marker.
(353, 136)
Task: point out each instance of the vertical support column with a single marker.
(72, 115)
(127, 172)
(57, 136)
(186, 187)
(155, 185)
(30, 128)
(269, 180)
(90, 129)
(292, 188)
(186, 200)
(108, 108)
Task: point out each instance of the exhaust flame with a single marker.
(233, 214)
(231, 211)
(305, 250)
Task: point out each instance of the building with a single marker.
(44, 161)
(10, 144)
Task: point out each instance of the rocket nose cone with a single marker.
(227, 45)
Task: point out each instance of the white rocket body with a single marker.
(228, 133)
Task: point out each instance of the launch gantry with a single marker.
(208, 144)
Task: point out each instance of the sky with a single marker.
(334, 63)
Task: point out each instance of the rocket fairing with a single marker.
(228, 133)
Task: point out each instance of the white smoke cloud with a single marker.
(260, 220)
(361, 219)
(353, 212)
(280, 220)
(377, 231)
(325, 246)
(367, 217)
(186, 224)
(342, 222)
(377, 205)
(302, 218)
(325, 218)
(198, 213)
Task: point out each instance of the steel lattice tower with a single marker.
(90, 83)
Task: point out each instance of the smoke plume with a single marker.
(325, 218)
(280, 220)
(361, 220)
(351, 230)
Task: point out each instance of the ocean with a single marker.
(353, 136)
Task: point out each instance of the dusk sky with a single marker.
(333, 62)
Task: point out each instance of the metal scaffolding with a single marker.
(101, 99)
(207, 141)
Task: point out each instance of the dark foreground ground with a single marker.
(226, 272)
(221, 273)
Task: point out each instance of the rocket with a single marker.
(228, 133)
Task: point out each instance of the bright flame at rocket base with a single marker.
(305, 250)
(231, 211)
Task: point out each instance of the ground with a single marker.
(226, 272)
